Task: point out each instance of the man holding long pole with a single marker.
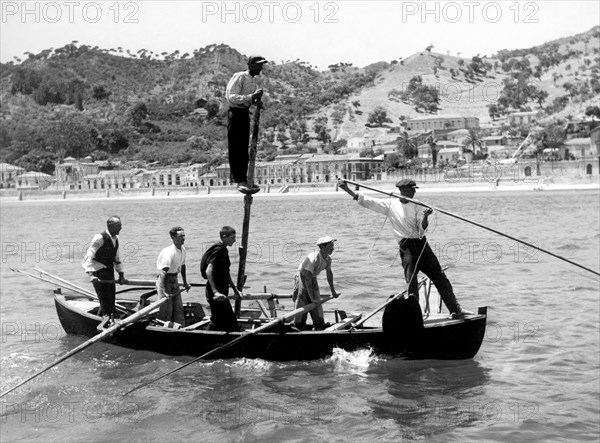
(410, 222)
(242, 92)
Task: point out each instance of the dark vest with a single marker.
(107, 252)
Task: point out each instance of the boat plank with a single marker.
(345, 323)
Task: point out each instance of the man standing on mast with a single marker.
(242, 92)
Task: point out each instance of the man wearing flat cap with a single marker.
(306, 287)
(410, 222)
(242, 92)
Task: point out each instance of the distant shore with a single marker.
(290, 191)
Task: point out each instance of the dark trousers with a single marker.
(105, 291)
(222, 316)
(410, 249)
(238, 138)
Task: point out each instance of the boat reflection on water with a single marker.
(431, 396)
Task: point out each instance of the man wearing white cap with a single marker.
(171, 262)
(306, 287)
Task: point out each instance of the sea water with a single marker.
(536, 376)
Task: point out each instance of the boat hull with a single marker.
(441, 339)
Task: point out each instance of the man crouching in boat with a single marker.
(100, 263)
(215, 268)
(410, 222)
(306, 287)
(171, 262)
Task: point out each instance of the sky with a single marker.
(320, 33)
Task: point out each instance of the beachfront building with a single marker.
(8, 173)
(582, 148)
(194, 174)
(117, 179)
(71, 173)
(283, 169)
(365, 168)
(223, 172)
(34, 181)
(179, 175)
(326, 167)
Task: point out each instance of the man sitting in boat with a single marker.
(306, 287)
(410, 222)
(100, 262)
(215, 268)
(171, 262)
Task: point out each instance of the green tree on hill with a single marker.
(321, 131)
(378, 117)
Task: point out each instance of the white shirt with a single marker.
(406, 218)
(240, 89)
(90, 264)
(314, 262)
(171, 258)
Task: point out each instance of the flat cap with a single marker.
(325, 240)
(406, 183)
(257, 59)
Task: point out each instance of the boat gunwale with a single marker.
(438, 322)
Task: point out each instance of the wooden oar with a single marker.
(64, 286)
(269, 325)
(450, 214)
(71, 287)
(74, 286)
(130, 282)
(106, 333)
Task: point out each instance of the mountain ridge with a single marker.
(82, 100)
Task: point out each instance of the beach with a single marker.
(304, 189)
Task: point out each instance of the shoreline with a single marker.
(424, 188)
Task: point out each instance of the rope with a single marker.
(450, 214)
(416, 267)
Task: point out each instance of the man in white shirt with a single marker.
(409, 223)
(100, 263)
(171, 262)
(306, 287)
(242, 92)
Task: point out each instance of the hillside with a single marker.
(169, 108)
(575, 63)
(80, 101)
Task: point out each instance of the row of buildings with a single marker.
(72, 174)
(450, 132)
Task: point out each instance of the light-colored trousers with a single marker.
(172, 309)
(301, 298)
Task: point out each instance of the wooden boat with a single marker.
(441, 337)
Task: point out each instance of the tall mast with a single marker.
(243, 249)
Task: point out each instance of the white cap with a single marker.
(325, 240)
